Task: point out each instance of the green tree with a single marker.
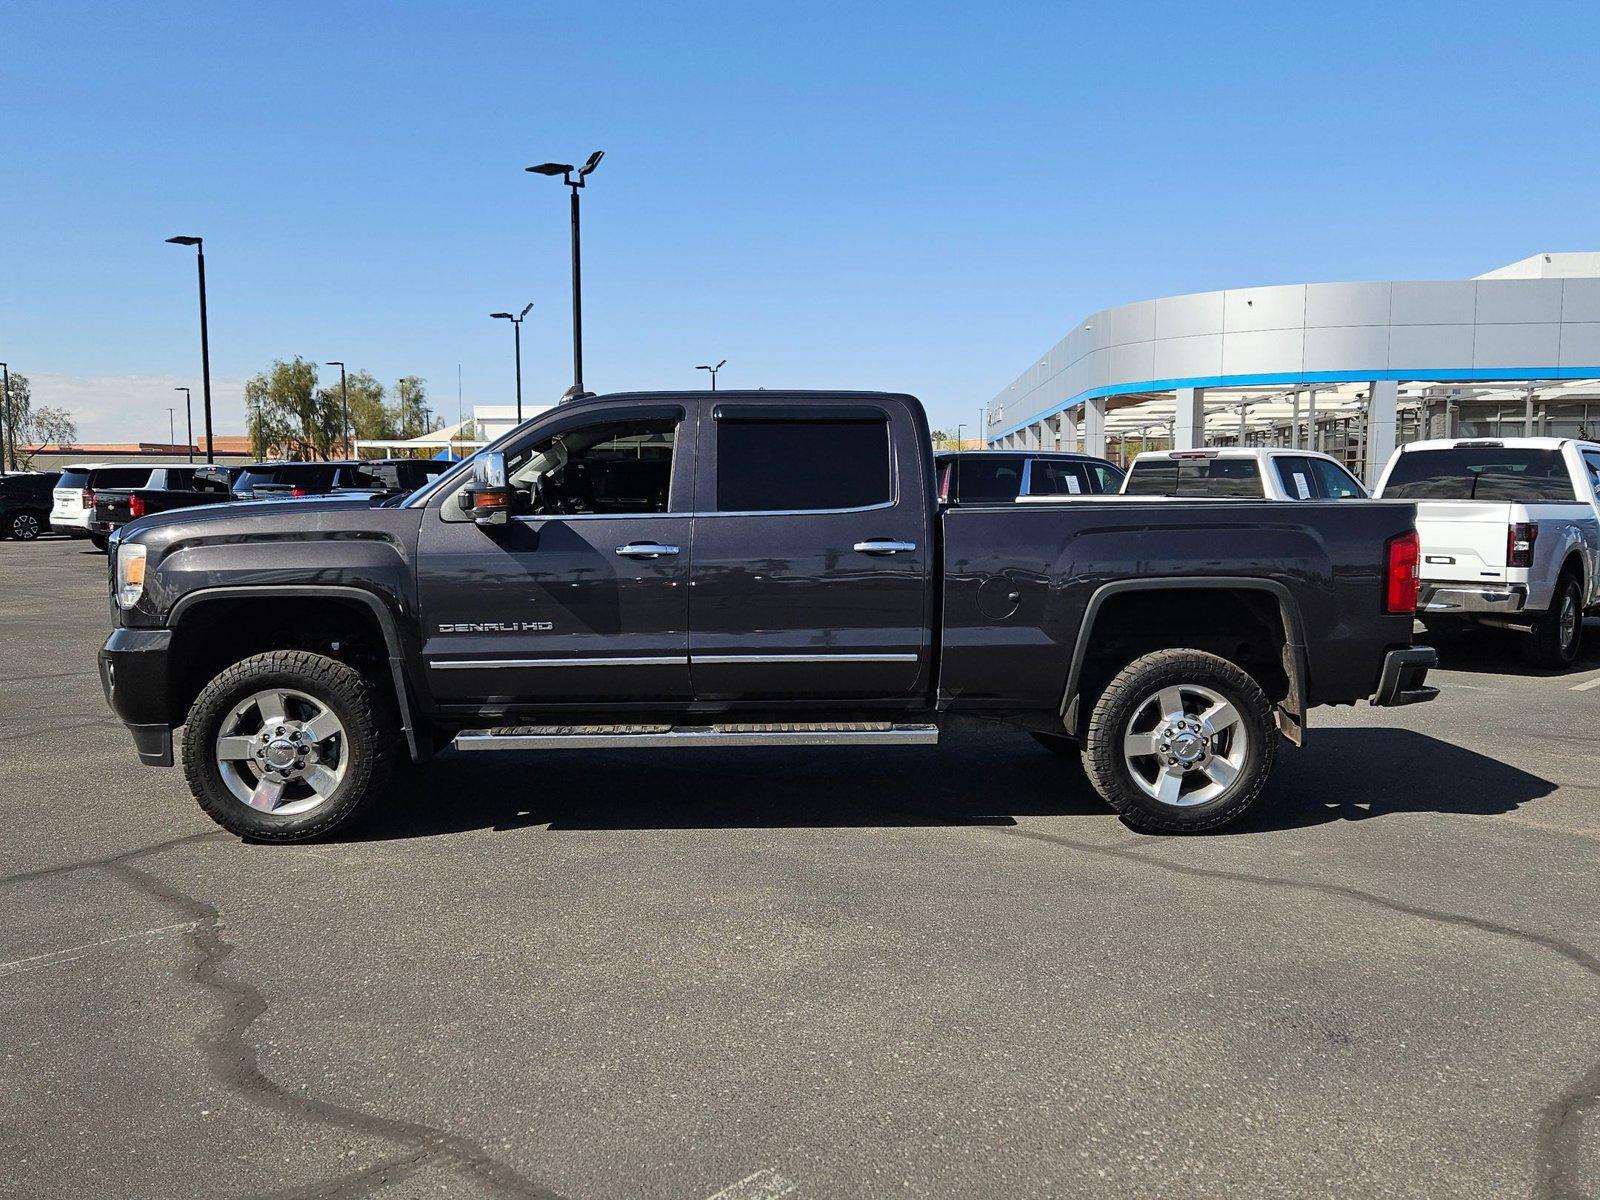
(290, 416)
(412, 416)
(369, 419)
(24, 424)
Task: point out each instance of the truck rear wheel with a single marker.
(287, 746)
(1180, 741)
(1558, 635)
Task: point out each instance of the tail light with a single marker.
(297, 492)
(135, 506)
(1402, 580)
(87, 499)
(1519, 544)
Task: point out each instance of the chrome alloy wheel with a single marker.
(1185, 745)
(280, 751)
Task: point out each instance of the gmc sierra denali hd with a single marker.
(661, 570)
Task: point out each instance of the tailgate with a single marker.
(66, 502)
(1463, 539)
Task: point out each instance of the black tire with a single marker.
(368, 750)
(99, 542)
(24, 526)
(1557, 637)
(1128, 698)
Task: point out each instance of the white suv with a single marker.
(72, 499)
(1510, 531)
(1263, 473)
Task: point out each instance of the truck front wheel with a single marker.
(1180, 741)
(287, 746)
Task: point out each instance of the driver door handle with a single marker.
(646, 550)
(884, 546)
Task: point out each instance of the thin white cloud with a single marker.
(133, 408)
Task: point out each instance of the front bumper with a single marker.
(1440, 599)
(1404, 678)
(134, 673)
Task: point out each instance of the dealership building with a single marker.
(1351, 369)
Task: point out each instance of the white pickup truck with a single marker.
(1251, 473)
(1510, 533)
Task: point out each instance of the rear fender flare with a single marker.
(1292, 712)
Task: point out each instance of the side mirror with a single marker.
(488, 497)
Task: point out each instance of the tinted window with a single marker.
(314, 476)
(119, 477)
(784, 465)
(1480, 473)
(987, 477)
(180, 478)
(1295, 476)
(1196, 477)
(1053, 477)
(614, 468)
(1335, 482)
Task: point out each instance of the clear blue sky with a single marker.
(907, 196)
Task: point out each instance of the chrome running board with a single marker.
(649, 737)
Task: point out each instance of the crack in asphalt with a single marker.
(236, 1064)
(1561, 1124)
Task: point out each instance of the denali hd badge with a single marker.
(498, 627)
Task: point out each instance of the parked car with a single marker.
(296, 480)
(73, 509)
(790, 580)
(985, 476)
(1257, 473)
(184, 487)
(25, 501)
(1510, 533)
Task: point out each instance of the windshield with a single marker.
(1480, 473)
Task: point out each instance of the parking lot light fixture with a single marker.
(205, 339)
(574, 178)
(713, 370)
(516, 322)
(188, 408)
(344, 391)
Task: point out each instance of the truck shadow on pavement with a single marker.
(1484, 651)
(989, 779)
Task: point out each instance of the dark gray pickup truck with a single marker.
(736, 569)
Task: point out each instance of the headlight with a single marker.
(130, 575)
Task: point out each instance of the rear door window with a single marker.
(1481, 473)
(1195, 478)
(1591, 461)
(988, 477)
(1295, 476)
(1056, 477)
(790, 465)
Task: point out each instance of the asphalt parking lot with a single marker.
(831, 974)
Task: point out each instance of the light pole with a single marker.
(713, 370)
(7, 421)
(959, 428)
(344, 391)
(516, 324)
(188, 408)
(565, 170)
(172, 429)
(205, 337)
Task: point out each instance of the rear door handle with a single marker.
(646, 550)
(884, 546)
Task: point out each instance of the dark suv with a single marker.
(25, 505)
